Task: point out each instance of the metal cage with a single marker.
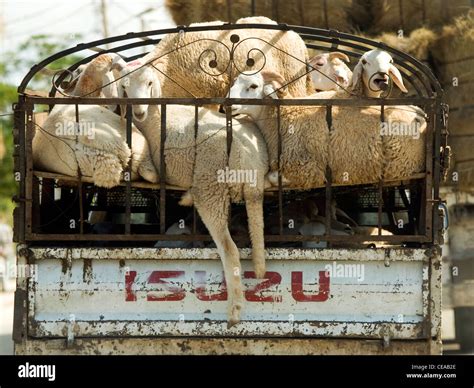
(79, 193)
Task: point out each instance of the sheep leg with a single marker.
(228, 252)
(254, 206)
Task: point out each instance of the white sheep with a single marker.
(197, 63)
(201, 165)
(372, 74)
(96, 147)
(331, 72)
(355, 149)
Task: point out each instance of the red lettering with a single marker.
(297, 288)
(130, 295)
(175, 293)
(201, 285)
(272, 279)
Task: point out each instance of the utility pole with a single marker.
(105, 24)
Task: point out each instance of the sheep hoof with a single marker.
(234, 315)
(186, 199)
(231, 322)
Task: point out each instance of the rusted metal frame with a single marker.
(229, 138)
(252, 7)
(428, 204)
(438, 111)
(283, 254)
(395, 239)
(20, 167)
(28, 177)
(80, 187)
(380, 183)
(328, 177)
(36, 200)
(359, 102)
(301, 30)
(162, 170)
(280, 178)
(128, 181)
(196, 129)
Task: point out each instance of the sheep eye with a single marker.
(319, 64)
(364, 62)
(253, 86)
(150, 83)
(123, 86)
(391, 60)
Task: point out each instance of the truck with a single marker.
(86, 290)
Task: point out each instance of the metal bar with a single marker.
(79, 182)
(229, 136)
(128, 174)
(30, 130)
(19, 132)
(428, 204)
(280, 178)
(328, 195)
(162, 170)
(380, 183)
(252, 7)
(359, 102)
(436, 176)
(396, 239)
(196, 128)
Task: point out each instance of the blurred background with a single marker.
(438, 32)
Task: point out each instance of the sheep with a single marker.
(372, 73)
(200, 165)
(188, 59)
(332, 72)
(354, 148)
(96, 147)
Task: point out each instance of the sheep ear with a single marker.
(338, 54)
(118, 64)
(356, 76)
(397, 78)
(156, 88)
(270, 91)
(313, 61)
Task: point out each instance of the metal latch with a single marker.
(70, 330)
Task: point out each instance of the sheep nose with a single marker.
(139, 115)
(341, 80)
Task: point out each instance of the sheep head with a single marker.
(137, 80)
(330, 72)
(265, 84)
(373, 72)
